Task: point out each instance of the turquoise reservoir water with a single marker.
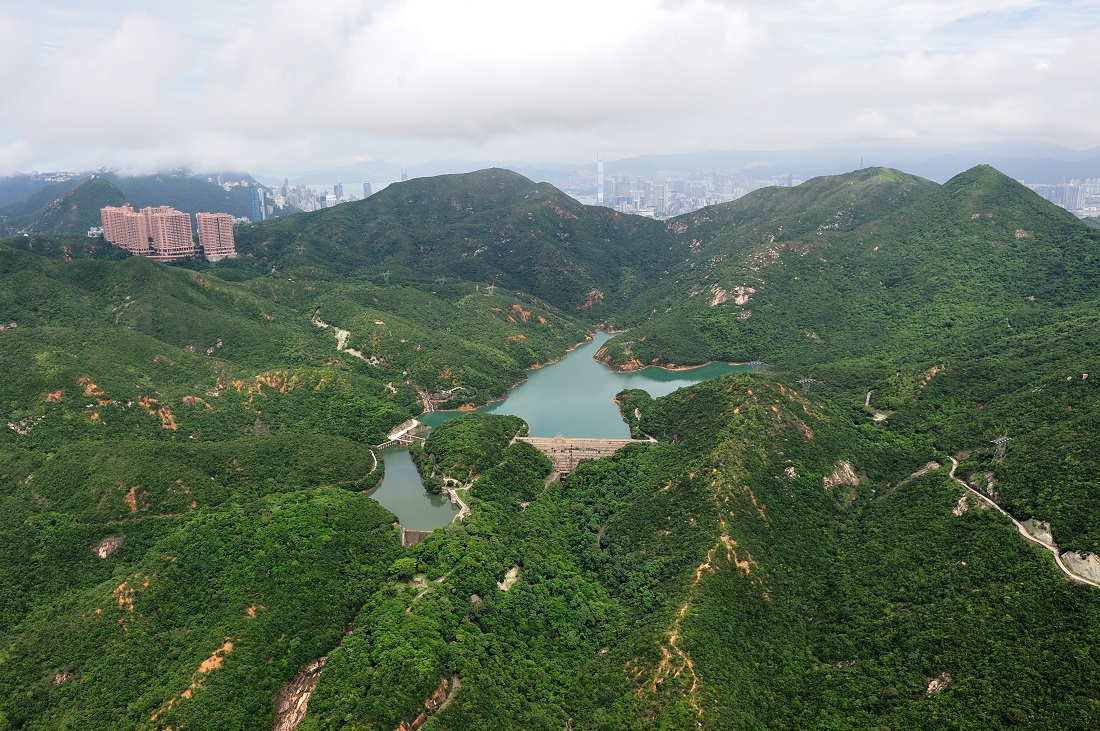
(573, 397)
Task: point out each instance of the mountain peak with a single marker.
(983, 188)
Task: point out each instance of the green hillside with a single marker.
(493, 227)
(14, 188)
(77, 210)
(185, 451)
(745, 571)
(67, 247)
(870, 262)
(183, 191)
(216, 444)
(22, 212)
(979, 289)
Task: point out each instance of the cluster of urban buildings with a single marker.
(676, 193)
(59, 176)
(165, 234)
(673, 194)
(259, 209)
(1081, 197)
(309, 199)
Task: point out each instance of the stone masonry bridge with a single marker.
(565, 453)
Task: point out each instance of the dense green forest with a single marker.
(186, 540)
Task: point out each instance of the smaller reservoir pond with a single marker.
(403, 494)
(572, 397)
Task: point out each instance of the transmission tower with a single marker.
(440, 280)
(301, 249)
(491, 288)
(806, 383)
(386, 275)
(1000, 442)
(627, 346)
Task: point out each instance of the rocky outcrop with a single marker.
(938, 684)
(844, 474)
(1040, 530)
(290, 708)
(510, 579)
(437, 701)
(108, 546)
(1087, 564)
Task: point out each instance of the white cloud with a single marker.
(280, 85)
(16, 47)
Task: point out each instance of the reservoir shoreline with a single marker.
(617, 369)
(574, 398)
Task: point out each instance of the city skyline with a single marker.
(267, 87)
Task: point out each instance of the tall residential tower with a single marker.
(216, 236)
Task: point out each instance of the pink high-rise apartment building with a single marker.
(124, 228)
(162, 233)
(216, 236)
(171, 233)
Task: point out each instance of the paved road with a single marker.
(1023, 531)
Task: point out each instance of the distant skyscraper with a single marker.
(622, 190)
(338, 191)
(599, 178)
(258, 212)
(660, 192)
(404, 173)
(366, 190)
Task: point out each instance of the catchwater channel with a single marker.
(572, 397)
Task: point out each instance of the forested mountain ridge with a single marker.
(73, 212)
(493, 227)
(179, 465)
(967, 310)
(183, 532)
(864, 262)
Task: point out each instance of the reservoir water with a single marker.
(572, 397)
(403, 494)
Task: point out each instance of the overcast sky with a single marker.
(279, 86)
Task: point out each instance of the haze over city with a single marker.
(275, 86)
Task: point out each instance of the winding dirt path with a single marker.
(1020, 527)
(455, 685)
